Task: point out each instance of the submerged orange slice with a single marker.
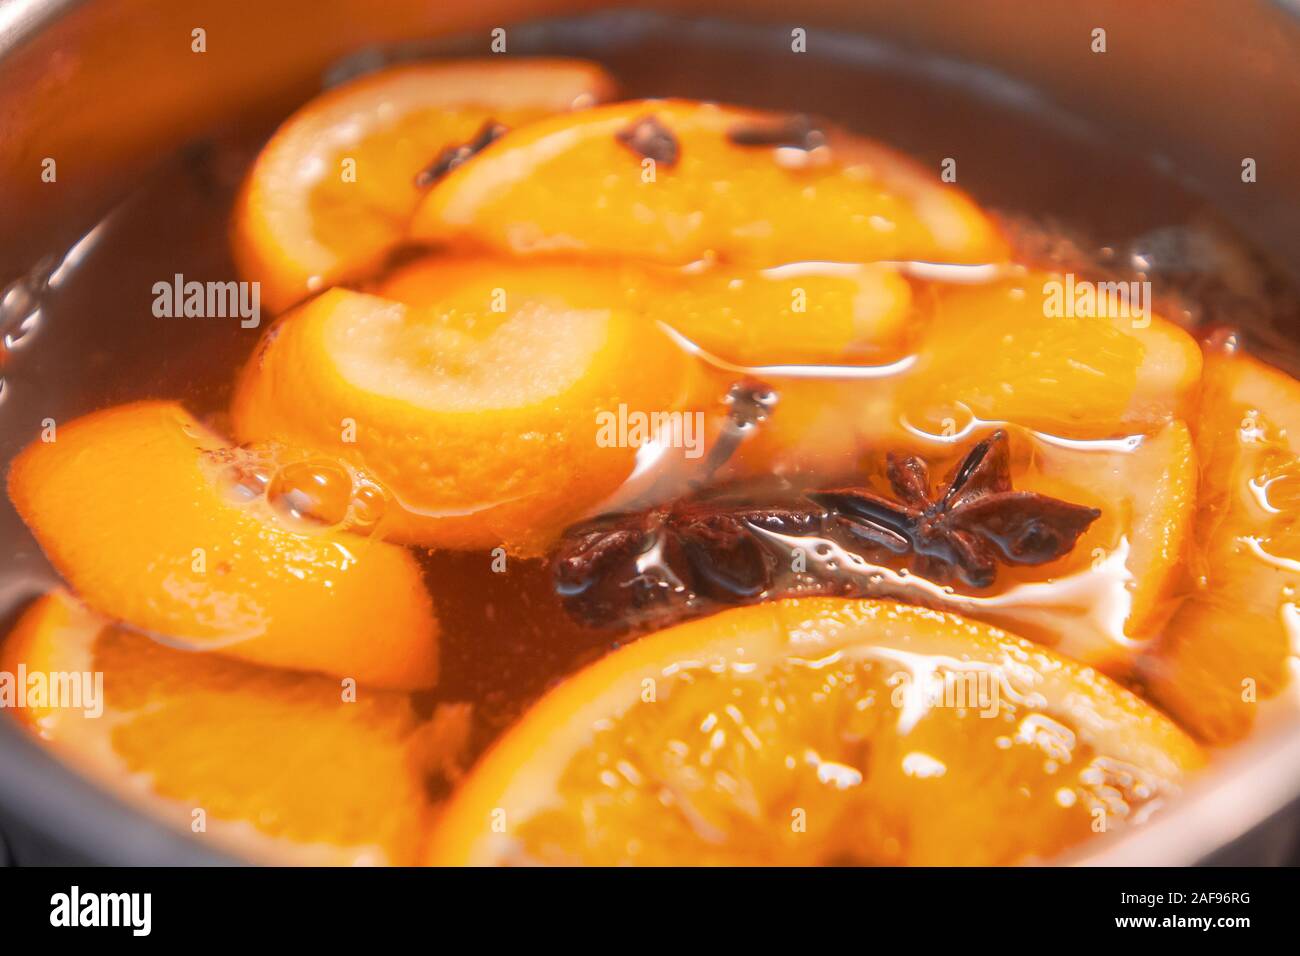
(1233, 644)
(673, 181)
(273, 765)
(999, 352)
(817, 731)
(334, 189)
(157, 522)
(485, 416)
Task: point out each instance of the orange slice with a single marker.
(667, 180)
(1163, 491)
(800, 313)
(741, 323)
(334, 189)
(272, 765)
(1074, 375)
(1233, 645)
(157, 522)
(487, 417)
(804, 313)
(817, 731)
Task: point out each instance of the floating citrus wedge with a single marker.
(335, 187)
(1072, 375)
(676, 181)
(157, 522)
(494, 418)
(272, 765)
(1233, 644)
(817, 731)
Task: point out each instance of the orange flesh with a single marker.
(1233, 645)
(802, 732)
(482, 424)
(320, 779)
(568, 185)
(132, 507)
(1073, 375)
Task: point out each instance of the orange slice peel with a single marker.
(483, 423)
(333, 190)
(158, 522)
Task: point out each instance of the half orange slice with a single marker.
(1077, 375)
(272, 765)
(334, 189)
(158, 522)
(817, 731)
(486, 415)
(677, 181)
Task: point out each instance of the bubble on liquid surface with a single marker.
(243, 483)
(311, 495)
(368, 505)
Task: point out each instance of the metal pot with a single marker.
(1195, 85)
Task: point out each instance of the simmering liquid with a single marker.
(776, 433)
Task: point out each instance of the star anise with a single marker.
(974, 520)
(454, 156)
(676, 559)
(717, 548)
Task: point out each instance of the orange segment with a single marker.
(157, 522)
(335, 187)
(282, 768)
(1072, 375)
(580, 184)
(798, 314)
(1234, 643)
(485, 416)
(817, 731)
